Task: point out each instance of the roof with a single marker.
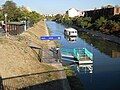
(70, 29)
(15, 23)
(73, 8)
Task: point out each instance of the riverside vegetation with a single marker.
(107, 25)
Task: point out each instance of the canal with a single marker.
(106, 65)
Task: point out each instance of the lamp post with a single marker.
(25, 27)
(6, 23)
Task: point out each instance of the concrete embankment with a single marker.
(20, 66)
(54, 62)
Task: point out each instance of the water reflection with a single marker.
(106, 65)
(85, 68)
(70, 39)
(109, 48)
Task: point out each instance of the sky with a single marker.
(60, 6)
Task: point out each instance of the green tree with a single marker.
(115, 18)
(110, 27)
(67, 20)
(18, 14)
(83, 22)
(74, 20)
(34, 16)
(86, 22)
(99, 22)
(1, 16)
(58, 18)
(10, 8)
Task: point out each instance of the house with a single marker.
(72, 12)
(106, 11)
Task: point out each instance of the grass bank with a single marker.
(20, 66)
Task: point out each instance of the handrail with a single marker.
(88, 53)
(78, 53)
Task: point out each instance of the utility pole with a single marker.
(25, 27)
(6, 24)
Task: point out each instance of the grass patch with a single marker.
(49, 31)
(57, 44)
(3, 41)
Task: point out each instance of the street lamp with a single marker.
(25, 27)
(6, 22)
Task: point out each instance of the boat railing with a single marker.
(88, 53)
(78, 53)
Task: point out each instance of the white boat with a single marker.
(70, 32)
(70, 38)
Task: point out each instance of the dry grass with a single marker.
(17, 58)
(34, 34)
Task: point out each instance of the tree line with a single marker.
(109, 25)
(15, 13)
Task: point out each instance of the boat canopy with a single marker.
(70, 29)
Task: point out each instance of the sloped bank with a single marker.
(20, 69)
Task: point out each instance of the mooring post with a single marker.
(58, 53)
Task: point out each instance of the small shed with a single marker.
(14, 28)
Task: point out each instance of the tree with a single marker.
(79, 21)
(110, 27)
(83, 22)
(18, 14)
(115, 18)
(99, 22)
(67, 20)
(10, 8)
(34, 16)
(74, 20)
(58, 18)
(1, 16)
(86, 22)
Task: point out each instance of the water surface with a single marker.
(106, 66)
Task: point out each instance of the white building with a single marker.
(81, 13)
(72, 12)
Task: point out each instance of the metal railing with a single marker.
(77, 53)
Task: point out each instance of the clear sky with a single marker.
(60, 6)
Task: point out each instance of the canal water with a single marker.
(106, 65)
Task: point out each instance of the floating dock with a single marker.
(82, 56)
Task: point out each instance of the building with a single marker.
(72, 12)
(81, 13)
(14, 28)
(106, 11)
